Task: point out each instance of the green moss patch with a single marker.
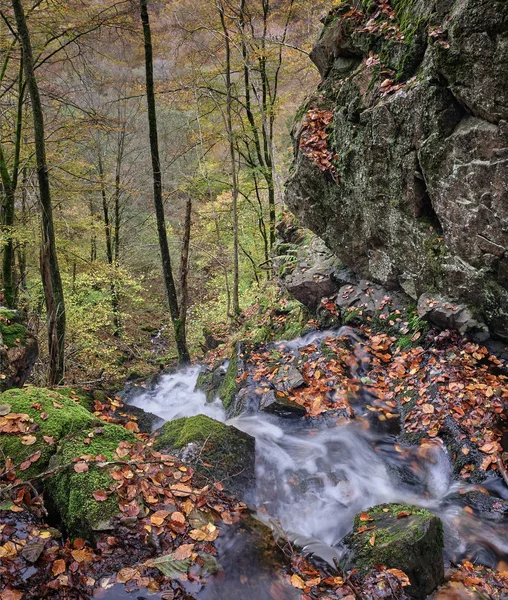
(51, 415)
(80, 396)
(13, 335)
(72, 493)
(229, 388)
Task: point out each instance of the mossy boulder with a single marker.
(71, 493)
(84, 398)
(400, 537)
(230, 387)
(218, 452)
(210, 381)
(50, 415)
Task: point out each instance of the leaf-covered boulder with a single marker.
(32, 423)
(72, 489)
(18, 350)
(220, 453)
(398, 537)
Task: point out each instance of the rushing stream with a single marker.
(313, 479)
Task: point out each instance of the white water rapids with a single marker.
(311, 481)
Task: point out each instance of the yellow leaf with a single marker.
(297, 582)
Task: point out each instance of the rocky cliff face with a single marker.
(402, 154)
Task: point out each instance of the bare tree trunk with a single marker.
(232, 154)
(180, 338)
(115, 304)
(10, 184)
(52, 283)
(184, 264)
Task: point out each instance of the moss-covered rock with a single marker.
(13, 334)
(72, 493)
(210, 381)
(220, 453)
(50, 415)
(229, 387)
(401, 537)
(82, 397)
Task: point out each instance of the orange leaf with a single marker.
(100, 496)
(159, 517)
(184, 551)
(178, 517)
(131, 426)
(125, 575)
(372, 540)
(28, 440)
(297, 582)
(81, 467)
(58, 567)
(365, 517)
(82, 556)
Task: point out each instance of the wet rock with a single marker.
(400, 537)
(218, 452)
(146, 421)
(420, 204)
(210, 380)
(18, 350)
(232, 383)
(281, 406)
(446, 314)
(288, 378)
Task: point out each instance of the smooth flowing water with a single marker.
(311, 479)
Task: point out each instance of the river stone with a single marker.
(449, 315)
(281, 406)
(218, 452)
(288, 378)
(412, 543)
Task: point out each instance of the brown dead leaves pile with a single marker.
(314, 141)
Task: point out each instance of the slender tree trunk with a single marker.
(211, 198)
(180, 339)
(24, 220)
(52, 283)
(184, 264)
(10, 184)
(232, 154)
(115, 303)
(8, 286)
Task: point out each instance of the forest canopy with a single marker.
(143, 149)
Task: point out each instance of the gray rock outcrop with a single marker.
(418, 195)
